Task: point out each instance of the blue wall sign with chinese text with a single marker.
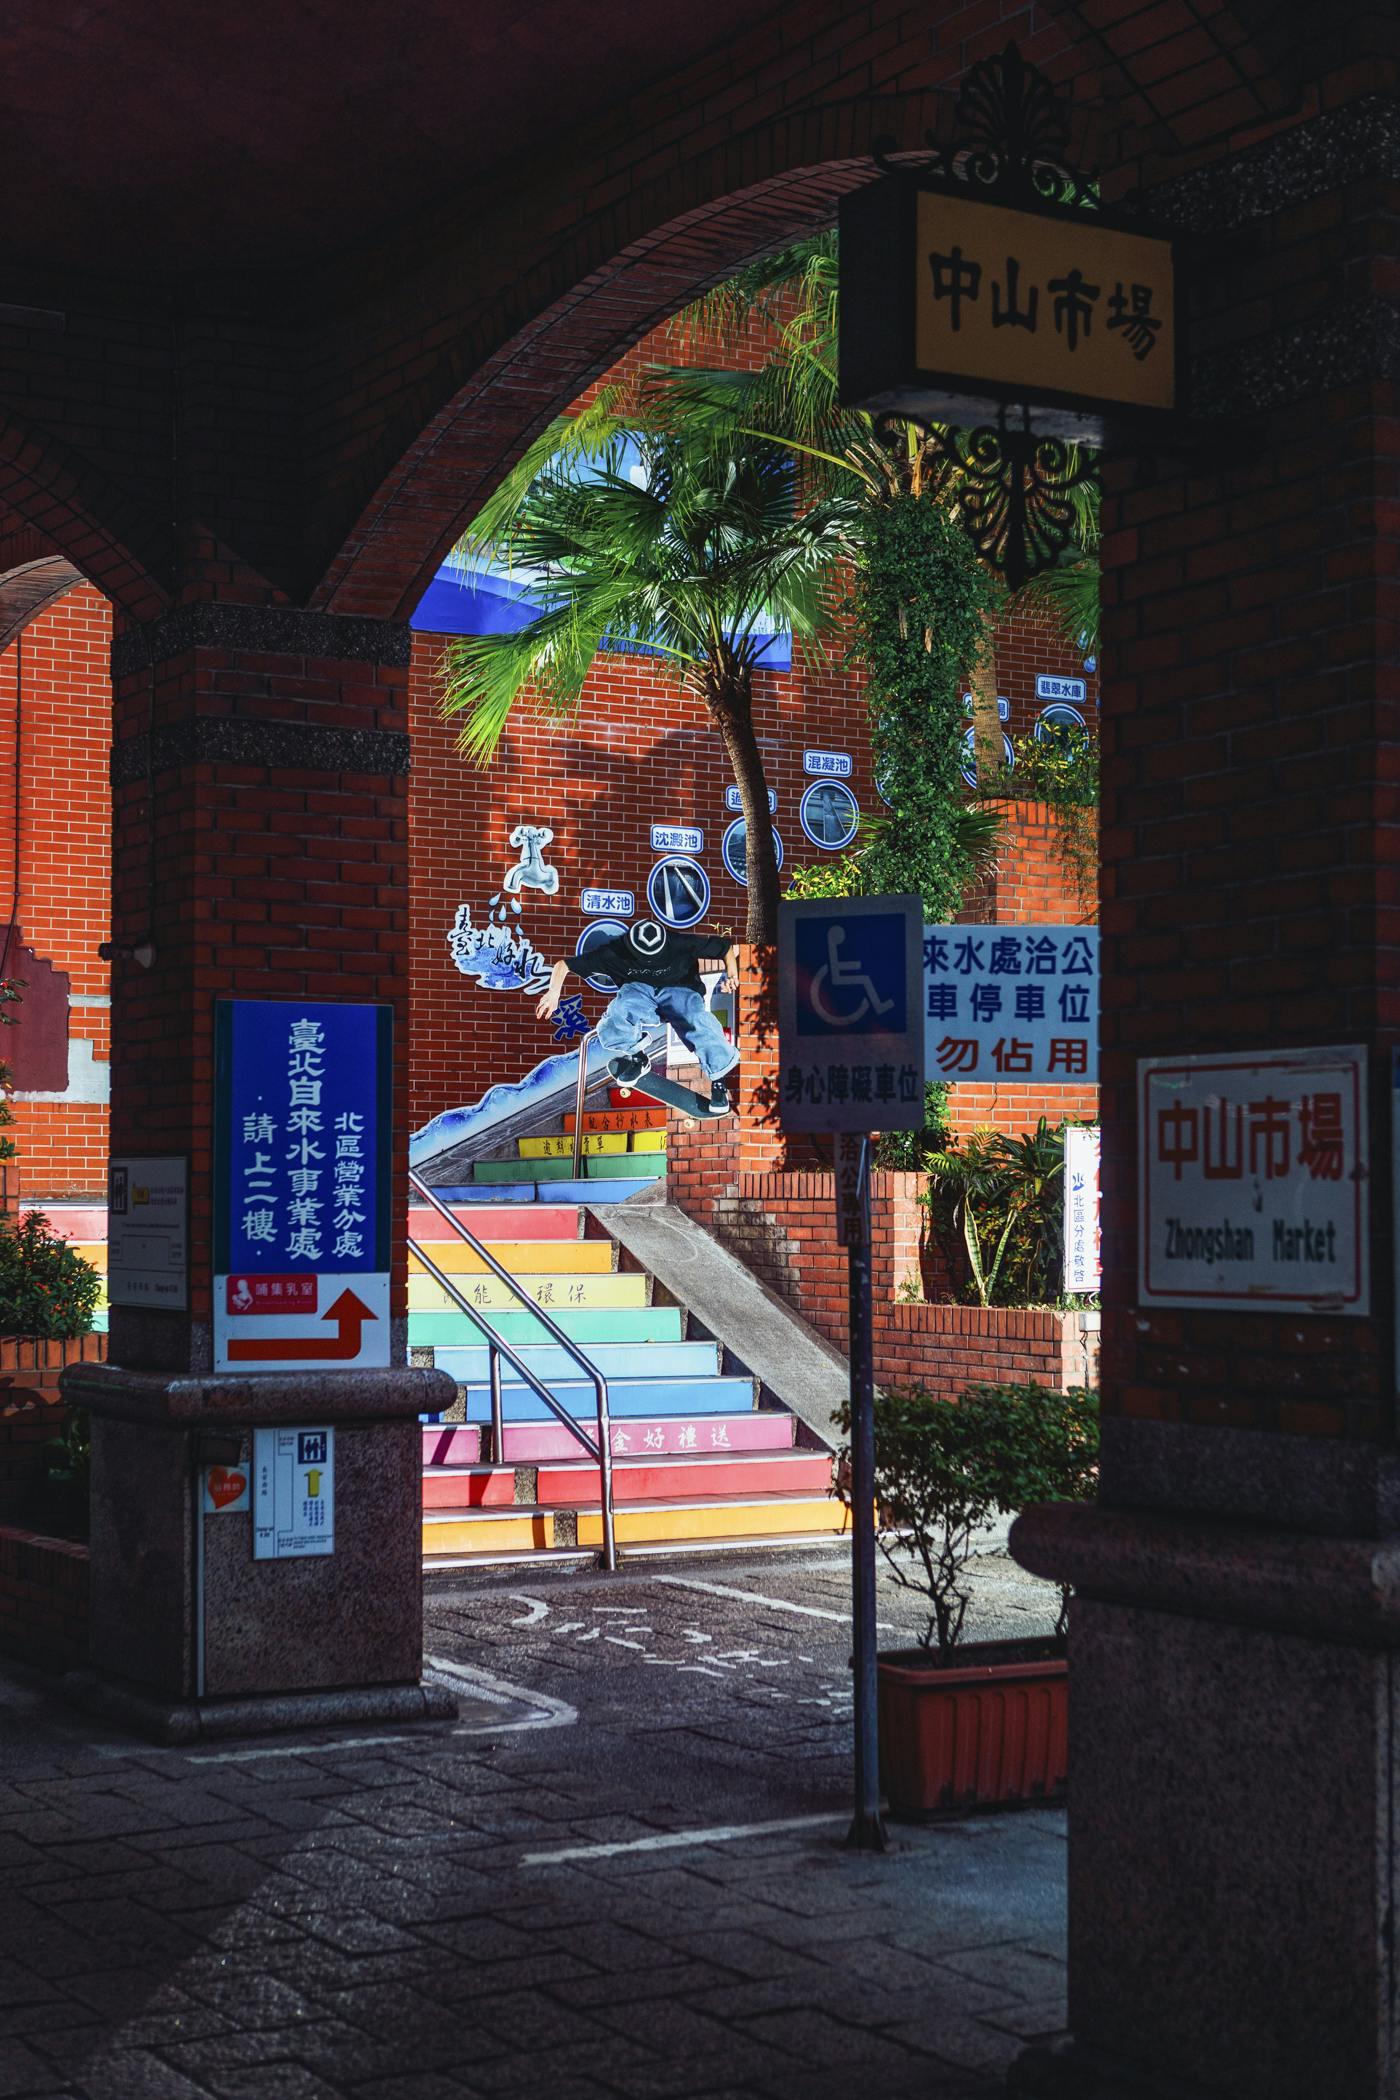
(1012, 1004)
(607, 904)
(831, 765)
(1075, 690)
(677, 838)
(302, 1137)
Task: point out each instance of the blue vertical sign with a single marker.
(302, 1163)
(850, 1014)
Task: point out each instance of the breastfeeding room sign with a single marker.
(1253, 1181)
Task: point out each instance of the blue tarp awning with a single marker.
(473, 601)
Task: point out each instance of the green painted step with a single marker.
(626, 1323)
(613, 1166)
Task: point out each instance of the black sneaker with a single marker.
(628, 1070)
(719, 1103)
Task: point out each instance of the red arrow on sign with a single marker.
(348, 1311)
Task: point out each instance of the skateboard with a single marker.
(681, 1097)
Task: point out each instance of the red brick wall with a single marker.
(782, 1226)
(31, 1408)
(43, 1599)
(64, 831)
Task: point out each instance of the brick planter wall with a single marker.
(782, 1226)
(31, 1410)
(43, 1599)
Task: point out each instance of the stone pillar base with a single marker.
(184, 1620)
(1232, 1787)
(178, 1721)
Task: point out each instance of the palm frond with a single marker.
(563, 446)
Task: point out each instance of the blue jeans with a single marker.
(636, 1010)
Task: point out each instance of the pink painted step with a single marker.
(691, 1479)
(536, 1443)
(84, 1222)
(452, 1444)
(469, 1487)
(496, 1221)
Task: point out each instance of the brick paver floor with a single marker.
(545, 1899)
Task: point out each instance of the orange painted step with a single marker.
(468, 1487)
(602, 1120)
(689, 1479)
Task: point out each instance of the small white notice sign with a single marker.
(1082, 1207)
(1253, 1181)
(293, 1493)
(147, 1250)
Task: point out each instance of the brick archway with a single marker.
(56, 497)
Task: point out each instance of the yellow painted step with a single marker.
(94, 1251)
(563, 1147)
(523, 1532)
(425, 1294)
(713, 1520)
(540, 1257)
(648, 1141)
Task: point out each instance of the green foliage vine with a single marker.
(922, 606)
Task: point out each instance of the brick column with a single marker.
(1234, 1638)
(260, 848)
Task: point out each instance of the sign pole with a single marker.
(851, 1049)
(867, 1832)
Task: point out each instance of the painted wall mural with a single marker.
(497, 950)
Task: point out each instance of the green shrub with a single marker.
(996, 1205)
(910, 1151)
(944, 1468)
(46, 1289)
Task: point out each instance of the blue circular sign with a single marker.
(830, 815)
(678, 890)
(597, 931)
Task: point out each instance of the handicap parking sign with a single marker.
(851, 976)
(850, 1014)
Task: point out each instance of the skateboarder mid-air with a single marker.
(658, 982)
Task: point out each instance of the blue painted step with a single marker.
(615, 1191)
(626, 1398)
(627, 1360)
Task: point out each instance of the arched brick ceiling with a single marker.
(27, 590)
(265, 135)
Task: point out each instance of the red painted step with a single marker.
(497, 1221)
(469, 1487)
(615, 1119)
(690, 1479)
(536, 1443)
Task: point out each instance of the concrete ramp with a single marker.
(793, 1363)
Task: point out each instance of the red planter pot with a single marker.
(988, 1733)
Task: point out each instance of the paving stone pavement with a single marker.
(541, 1899)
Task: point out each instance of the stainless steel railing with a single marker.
(580, 1095)
(601, 1450)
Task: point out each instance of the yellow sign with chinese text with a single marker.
(1044, 305)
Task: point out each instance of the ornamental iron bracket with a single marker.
(1010, 142)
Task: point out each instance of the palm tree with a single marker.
(795, 399)
(686, 541)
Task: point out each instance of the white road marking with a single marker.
(674, 1840)
(538, 1609)
(552, 1713)
(726, 1589)
(618, 1642)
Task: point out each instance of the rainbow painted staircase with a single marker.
(699, 1461)
(703, 1457)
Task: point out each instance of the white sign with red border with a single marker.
(303, 1320)
(1254, 1170)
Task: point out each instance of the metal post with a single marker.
(867, 1830)
(605, 1480)
(580, 1096)
(498, 1431)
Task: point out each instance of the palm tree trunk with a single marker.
(986, 720)
(729, 698)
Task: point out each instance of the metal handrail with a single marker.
(580, 1096)
(497, 1348)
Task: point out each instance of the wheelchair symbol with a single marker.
(838, 975)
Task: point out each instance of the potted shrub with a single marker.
(967, 1725)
